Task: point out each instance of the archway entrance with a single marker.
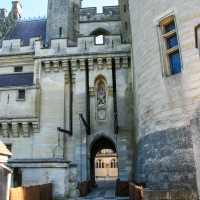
(103, 163)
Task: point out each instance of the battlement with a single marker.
(15, 46)
(85, 45)
(110, 13)
(59, 46)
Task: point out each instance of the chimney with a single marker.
(16, 10)
(3, 12)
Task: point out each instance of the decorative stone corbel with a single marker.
(56, 66)
(125, 62)
(65, 65)
(100, 63)
(47, 67)
(109, 63)
(5, 130)
(25, 127)
(82, 64)
(35, 126)
(15, 129)
(91, 64)
(74, 65)
(117, 63)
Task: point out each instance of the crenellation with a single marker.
(110, 13)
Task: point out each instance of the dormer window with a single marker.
(99, 39)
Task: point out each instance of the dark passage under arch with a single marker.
(98, 145)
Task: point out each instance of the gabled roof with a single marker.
(27, 29)
(3, 150)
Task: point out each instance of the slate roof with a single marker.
(26, 29)
(3, 150)
(16, 80)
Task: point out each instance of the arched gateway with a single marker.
(96, 146)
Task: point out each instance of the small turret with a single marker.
(16, 10)
(3, 12)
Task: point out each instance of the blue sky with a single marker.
(34, 8)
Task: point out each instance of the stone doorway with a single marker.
(103, 163)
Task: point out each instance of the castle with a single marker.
(127, 79)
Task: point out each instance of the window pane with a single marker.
(175, 63)
(18, 69)
(172, 42)
(99, 39)
(170, 27)
(21, 94)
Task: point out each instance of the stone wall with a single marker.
(171, 194)
(166, 160)
(165, 105)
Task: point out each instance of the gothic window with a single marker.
(99, 164)
(171, 51)
(113, 163)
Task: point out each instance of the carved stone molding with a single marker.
(100, 63)
(91, 91)
(125, 62)
(91, 64)
(102, 114)
(82, 64)
(109, 63)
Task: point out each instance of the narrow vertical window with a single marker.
(124, 8)
(60, 31)
(126, 25)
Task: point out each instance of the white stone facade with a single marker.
(119, 94)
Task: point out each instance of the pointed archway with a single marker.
(96, 147)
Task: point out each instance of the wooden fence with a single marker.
(39, 192)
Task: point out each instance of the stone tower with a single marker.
(62, 19)
(166, 92)
(125, 20)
